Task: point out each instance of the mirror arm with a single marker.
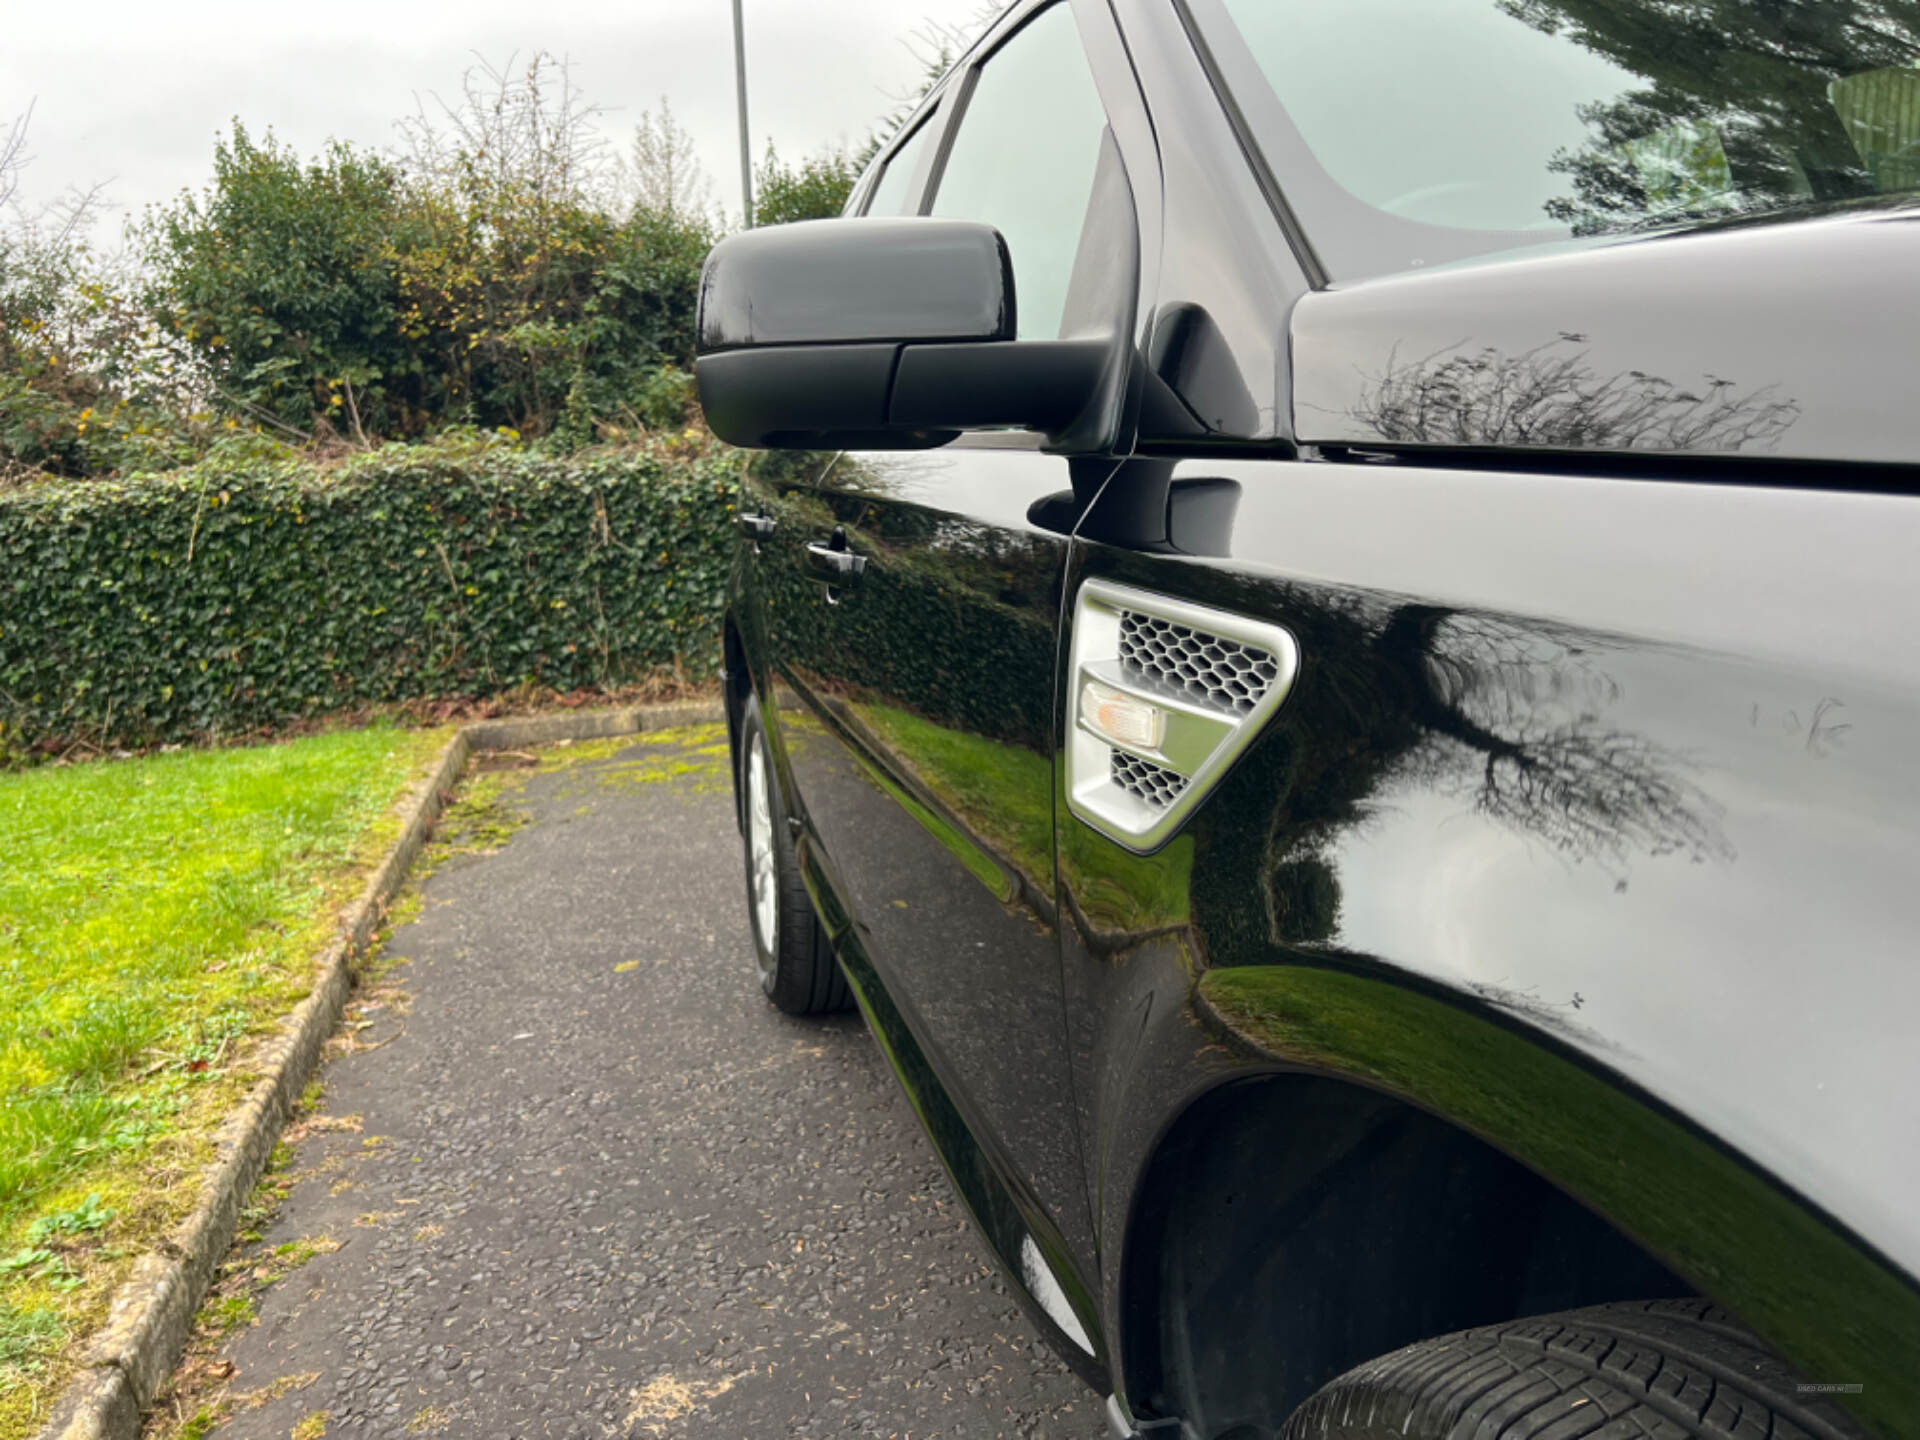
(892, 396)
(755, 397)
(1033, 384)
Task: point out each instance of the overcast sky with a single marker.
(134, 93)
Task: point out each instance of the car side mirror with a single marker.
(878, 334)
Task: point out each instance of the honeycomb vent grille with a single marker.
(1210, 668)
(1155, 784)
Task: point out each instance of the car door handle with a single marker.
(759, 527)
(839, 567)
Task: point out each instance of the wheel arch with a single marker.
(1317, 1223)
(1377, 1126)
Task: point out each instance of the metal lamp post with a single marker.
(740, 85)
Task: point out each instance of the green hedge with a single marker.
(236, 595)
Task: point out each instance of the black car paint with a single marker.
(1762, 341)
(1590, 827)
(951, 628)
(1653, 834)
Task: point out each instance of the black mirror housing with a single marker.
(876, 334)
(839, 282)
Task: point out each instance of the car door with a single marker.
(1530, 777)
(912, 604)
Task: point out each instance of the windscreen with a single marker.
(1413, 132)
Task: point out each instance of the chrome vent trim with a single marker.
(1211, 668)
(1215, 678)
(1155, 784)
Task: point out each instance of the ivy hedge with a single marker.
(253, 591)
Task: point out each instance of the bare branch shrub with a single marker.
(526, 133)
(934, 47)
(13, 156)
(1552, 397)
(662, 173)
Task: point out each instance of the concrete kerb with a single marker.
(127, 1361)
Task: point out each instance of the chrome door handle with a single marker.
(836, 565)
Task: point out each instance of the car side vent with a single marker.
(1155, 784)
(1165, 695)
(1211, 668)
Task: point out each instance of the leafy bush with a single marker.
(664, 399)
(815, 189)
(281, 278)
(543, 281)
(253, 589)
(505, 267)
(88, 382)
(550, 323)
(365, 298)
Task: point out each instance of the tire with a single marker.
(1650, 1370)
(794, 957)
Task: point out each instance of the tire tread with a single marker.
(1653, 1370)
(807, 979)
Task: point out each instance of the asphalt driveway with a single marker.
(584, 1182)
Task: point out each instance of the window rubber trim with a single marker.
(1303, 251)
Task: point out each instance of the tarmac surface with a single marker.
(585, 1182)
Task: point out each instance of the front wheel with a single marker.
(1676, 1369)
(797, 968)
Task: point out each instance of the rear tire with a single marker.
(797, 970)
(1660, 1369)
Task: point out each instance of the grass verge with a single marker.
(156, 916)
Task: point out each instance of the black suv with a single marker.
(1331, 654)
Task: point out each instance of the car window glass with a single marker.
(1024, 161)
(1473, 150)
(1414, 132)
(894, 194)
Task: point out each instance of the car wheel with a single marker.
(797, 968)
(1677, 1368)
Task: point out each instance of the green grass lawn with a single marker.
(155, 915)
